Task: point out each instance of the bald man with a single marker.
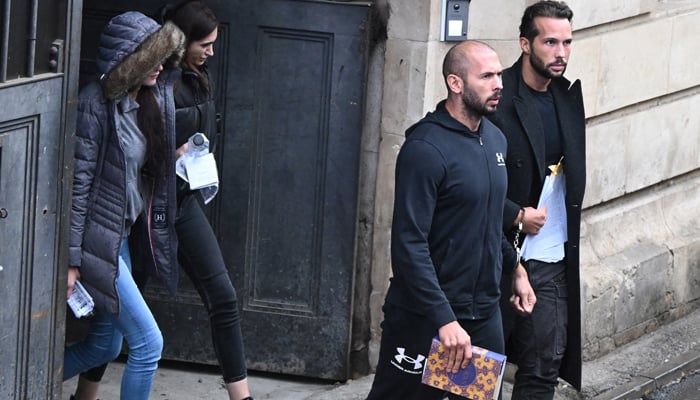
(447, 245)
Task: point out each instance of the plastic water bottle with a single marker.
(198, 144)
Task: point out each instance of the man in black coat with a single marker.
(542, 116)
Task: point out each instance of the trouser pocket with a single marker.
(562, 312)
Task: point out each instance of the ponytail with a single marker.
(150, 121)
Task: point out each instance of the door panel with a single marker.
(29, 189)
(13, 196)
(37, 99)
(300, 99)
(290, 83)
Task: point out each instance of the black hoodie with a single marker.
(447, 244)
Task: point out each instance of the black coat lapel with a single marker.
(571, 118)
(530, 120)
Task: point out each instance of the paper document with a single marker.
(201, 171)
(198, 167)
(80, 301)
(548, 244)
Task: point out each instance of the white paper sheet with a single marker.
(548, 244)
(198, 168)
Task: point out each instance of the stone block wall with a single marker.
(639, 236)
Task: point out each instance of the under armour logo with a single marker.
(500, 159)
(401, 357)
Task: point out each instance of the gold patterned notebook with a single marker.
(480, 380)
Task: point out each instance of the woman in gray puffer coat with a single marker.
(124, 185)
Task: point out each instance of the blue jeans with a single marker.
(201, 259)
(135, 324)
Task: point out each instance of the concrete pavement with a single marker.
(629, 372)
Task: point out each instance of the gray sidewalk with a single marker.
(629, 372)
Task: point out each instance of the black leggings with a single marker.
(201, 259)
(200, 256)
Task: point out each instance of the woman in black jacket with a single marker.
(198, 250)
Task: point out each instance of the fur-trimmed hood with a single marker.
(132, 46)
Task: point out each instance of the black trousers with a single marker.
(201, 259)
(405, 343)
(540, 338)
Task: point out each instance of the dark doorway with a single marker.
(290, 78)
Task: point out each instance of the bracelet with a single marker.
(516, 239)
(522, 219)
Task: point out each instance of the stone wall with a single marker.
(638, 63)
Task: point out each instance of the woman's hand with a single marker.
(181, 150)
(73, 275)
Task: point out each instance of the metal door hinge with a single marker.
(56, 56)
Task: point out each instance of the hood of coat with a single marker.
(132, 46)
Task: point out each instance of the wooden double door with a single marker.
(290, 88)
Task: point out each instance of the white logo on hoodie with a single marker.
(500, 159)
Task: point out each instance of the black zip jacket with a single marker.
(447, 244)
(195, 106)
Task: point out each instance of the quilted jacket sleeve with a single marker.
(87, 152)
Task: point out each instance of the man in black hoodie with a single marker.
(447, 246)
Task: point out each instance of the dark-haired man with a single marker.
(542, 116)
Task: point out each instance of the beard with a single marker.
(542, 69)
(471, 101)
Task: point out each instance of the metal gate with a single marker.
(290, 79)
(36, 120)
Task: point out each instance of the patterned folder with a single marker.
(480, 380)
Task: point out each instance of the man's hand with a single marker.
(73, 275)
(458, 345)
(523, 299)
(534, 219)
